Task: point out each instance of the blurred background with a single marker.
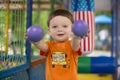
(18, 56)
(103, 28)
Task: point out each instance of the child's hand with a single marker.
(27, 38)
(81, 37)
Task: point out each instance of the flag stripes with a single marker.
(87, 45)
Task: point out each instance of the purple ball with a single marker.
(80, 28)
(35, 33)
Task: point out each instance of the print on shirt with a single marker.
(59, 58)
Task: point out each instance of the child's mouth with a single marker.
(60, 34)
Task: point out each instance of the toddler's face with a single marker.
(60, 28)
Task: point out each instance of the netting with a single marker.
(12, 26)
(12, 40)
(14, 63)
(9, 61)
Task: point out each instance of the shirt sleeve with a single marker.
(42, 53)
(79, 52)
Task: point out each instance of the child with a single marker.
(61, 53)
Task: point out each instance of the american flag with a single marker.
(84, 10)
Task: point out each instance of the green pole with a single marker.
(52, 9)
(52, 5)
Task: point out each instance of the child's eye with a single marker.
(65, 26)
(54, 26)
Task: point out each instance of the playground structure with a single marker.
(17, 61)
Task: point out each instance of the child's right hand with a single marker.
(27, 38)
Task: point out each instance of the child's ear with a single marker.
(49, 31)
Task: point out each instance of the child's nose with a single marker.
(59, 29)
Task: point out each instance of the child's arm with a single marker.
(41, 45)
(75, 43)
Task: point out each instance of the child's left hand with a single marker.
(81, 37)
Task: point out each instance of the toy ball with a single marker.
(80, 28)
(35, 33)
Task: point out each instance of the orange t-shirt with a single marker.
(61, 61)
